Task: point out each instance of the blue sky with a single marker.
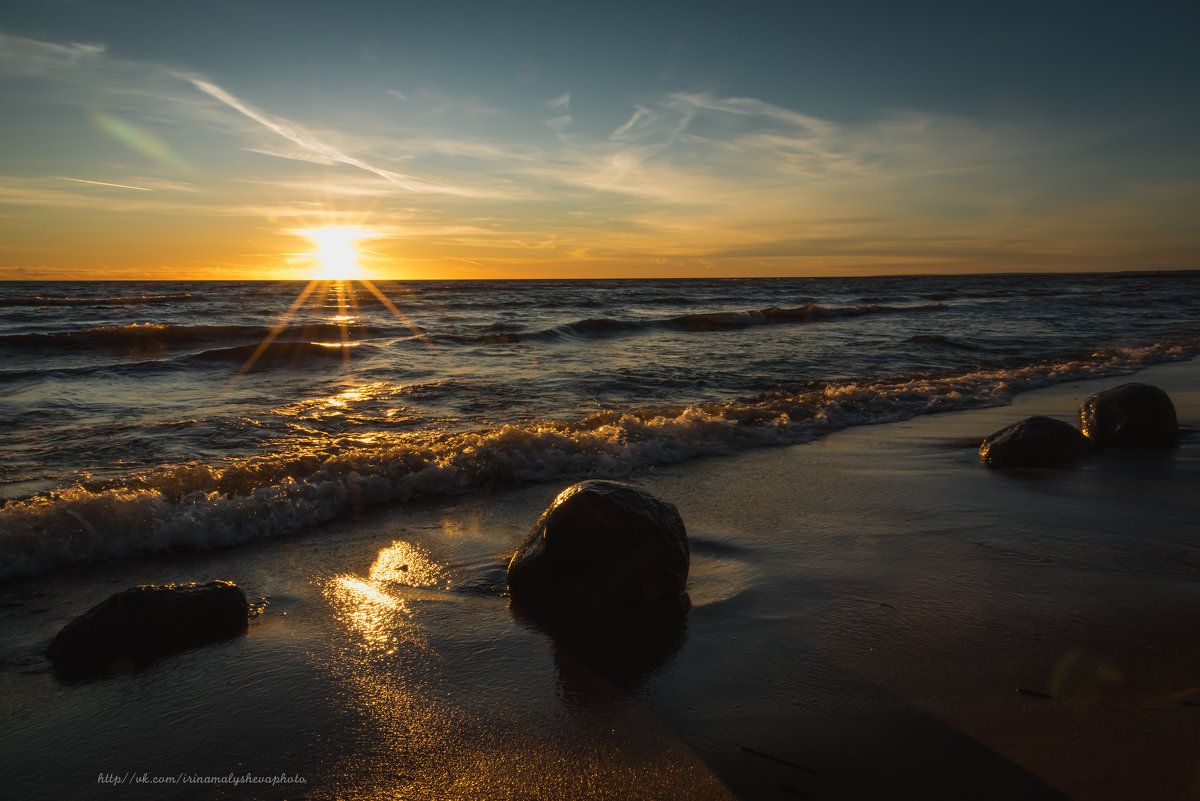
(470, 139)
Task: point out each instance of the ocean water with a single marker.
(142, 416)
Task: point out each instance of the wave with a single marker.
(939, 341)
(165, 335)
(277, 353)
(1021, 292)
(1141, 302)
(198, 505)
(724, 321)
(158, 339)
(43, 301)
(1084, 292)
(603, 327)
(126, 335)
(668, 300)
(1025, 292)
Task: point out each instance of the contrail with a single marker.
(105, 183)
(302, 138)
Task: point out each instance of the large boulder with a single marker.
(131, 628)
(1034, 442)
(601, 547)
(1130, 416)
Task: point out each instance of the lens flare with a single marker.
(142, 141)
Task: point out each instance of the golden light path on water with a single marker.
(339, 266)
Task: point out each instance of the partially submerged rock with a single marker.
(603, 573)
(132, 627)
(1130, 416)
(602, 546)
(1034, 442)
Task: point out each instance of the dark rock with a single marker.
(602, 546)
(131, 628)
(1033, 442)
(1130, 416)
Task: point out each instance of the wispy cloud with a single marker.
(25, 56)
(640, 114)
(312, 148)
(559, 124)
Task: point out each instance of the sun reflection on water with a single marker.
(374, 607)
(367, 609)
(403, 563)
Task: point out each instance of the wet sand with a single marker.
(874, 615)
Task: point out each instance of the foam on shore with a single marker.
(201, 505)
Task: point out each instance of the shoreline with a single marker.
(873, 612)
(1024, 609)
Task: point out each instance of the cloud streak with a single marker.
(104, 183)
(314, 149)
(25, 56)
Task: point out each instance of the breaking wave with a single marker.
(147, 334)
(209, 505)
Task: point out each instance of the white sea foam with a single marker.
(205, 506)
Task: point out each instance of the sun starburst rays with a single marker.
(337, 256)
(335, 264)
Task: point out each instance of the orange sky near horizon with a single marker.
(166, 246)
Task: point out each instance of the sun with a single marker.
(336, 255)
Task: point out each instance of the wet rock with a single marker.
(600, 547)
(133, 627)
(1034, 442)
(1130, 416)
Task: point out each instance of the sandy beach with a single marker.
(875, 614)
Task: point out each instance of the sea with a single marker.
(141, 417)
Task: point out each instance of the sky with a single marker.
(451, 140)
